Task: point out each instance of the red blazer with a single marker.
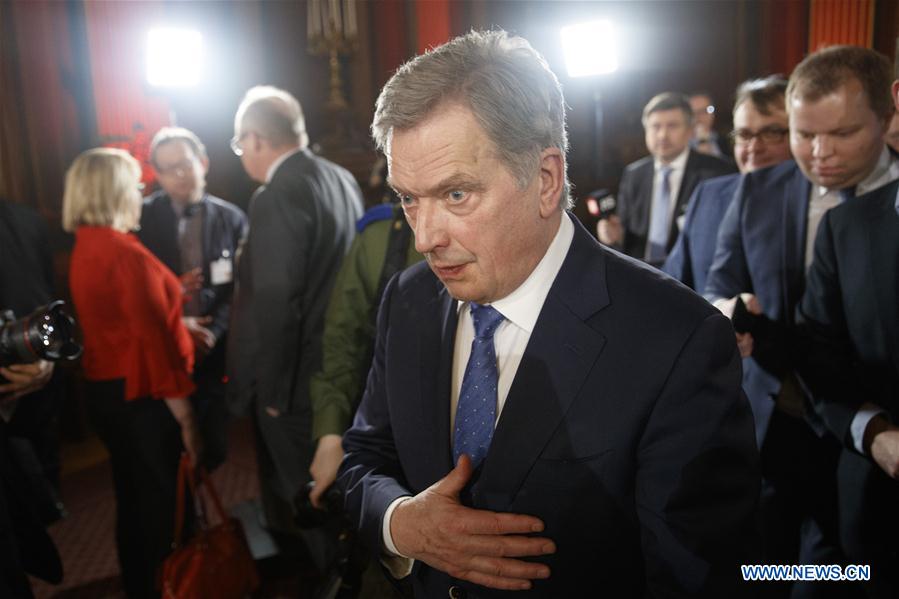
(129, 308)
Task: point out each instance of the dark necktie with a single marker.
(658, 220)
(476, 411)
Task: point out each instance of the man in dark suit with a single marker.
(838, 105)
(760, 140)
(196, 235)
(851, 310)
(653, 193)
(302, 221)
(533, 394)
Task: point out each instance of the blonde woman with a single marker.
(137, 357)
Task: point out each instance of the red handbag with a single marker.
(216, 562)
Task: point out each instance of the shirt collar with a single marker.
(885, 171)
(678, 164)
(522, 307)
(278, 162)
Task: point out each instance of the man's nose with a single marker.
(822, 146)
(429, 227)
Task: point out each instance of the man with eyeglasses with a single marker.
(196, 235)
(760, 140)
(302, 221)
(839, 105)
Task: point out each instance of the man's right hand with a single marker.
(610, 231)
(469, 544)
(204, 339)
(882, 443)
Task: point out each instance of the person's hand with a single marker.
(882, 443)
(609, 230)
(727, 307)
(469, 544)
(204, 339)
(328, 455)
(191, 281)
(24, 378)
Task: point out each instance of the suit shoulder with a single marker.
(879, 202)
(776, 175)
(633, 167)
(721, 166)
(653, 296)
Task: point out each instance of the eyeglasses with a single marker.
(235, 143)
(179, 168)
(769, 135)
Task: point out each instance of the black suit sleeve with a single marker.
(371, 474)
(729, 274)
(697, 478)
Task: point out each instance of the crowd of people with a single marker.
(504, 402)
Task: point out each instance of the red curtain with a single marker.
(128, 113)
(834, 22)
(432, 23)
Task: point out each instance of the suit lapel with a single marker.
(795, 222)
(687, 184)
(560, 354)
(435, 379)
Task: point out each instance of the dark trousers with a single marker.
(869, 527)
(798, 507)
(144, 443)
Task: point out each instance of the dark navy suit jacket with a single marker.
(690, 260)
(761, 250)
(851, 305)
(624, 430)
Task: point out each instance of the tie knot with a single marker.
(665, 170)
(486, 319)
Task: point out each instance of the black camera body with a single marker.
(45, 334)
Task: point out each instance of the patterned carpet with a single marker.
(85, 537)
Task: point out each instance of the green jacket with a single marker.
(349, 336)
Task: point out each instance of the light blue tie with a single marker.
(658, 223)
(476, 411)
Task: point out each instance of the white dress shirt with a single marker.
(521, 308)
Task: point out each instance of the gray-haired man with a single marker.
(534, 395)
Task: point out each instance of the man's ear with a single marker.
(205, 164)
(552, 180)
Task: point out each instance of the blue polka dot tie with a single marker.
(476, 411)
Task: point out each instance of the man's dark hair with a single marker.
(827, 70)
(668, 101)
(764, 94)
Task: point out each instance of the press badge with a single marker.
(221, 271)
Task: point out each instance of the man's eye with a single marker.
(456, 196)
(406, 200)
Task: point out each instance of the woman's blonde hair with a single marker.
(102, 189)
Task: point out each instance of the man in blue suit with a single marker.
(542, 414)
(839, 105)
(760, 140)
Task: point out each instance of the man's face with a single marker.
(760, 140)
(837, 138)
(667, 134)
(182, 174)
(481, 233)
(701, 114)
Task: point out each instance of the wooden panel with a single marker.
(833, 22)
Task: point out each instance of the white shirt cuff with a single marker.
(398, 565)
(860, 423)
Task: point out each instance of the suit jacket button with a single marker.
(457, 593)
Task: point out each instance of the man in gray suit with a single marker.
(302, 221)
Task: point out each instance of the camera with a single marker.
(45, 334)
